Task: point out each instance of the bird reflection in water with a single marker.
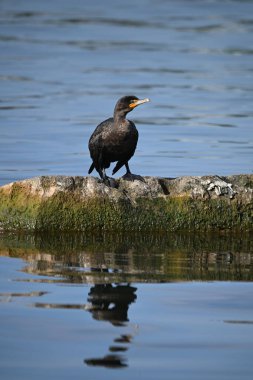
(111, 303)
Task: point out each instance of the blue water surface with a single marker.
(64, 64)
(186, 329)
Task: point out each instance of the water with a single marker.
(64, 64)
(177, 306)
(136, 307)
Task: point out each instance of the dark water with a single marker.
(78, 306)
(64, 64)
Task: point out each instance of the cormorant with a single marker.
(115, 139)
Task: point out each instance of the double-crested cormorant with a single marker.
(115, 139)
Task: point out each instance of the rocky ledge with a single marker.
(151, 204)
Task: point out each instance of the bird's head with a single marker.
(127, 104)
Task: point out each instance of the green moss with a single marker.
(18, 210)
(67, 212)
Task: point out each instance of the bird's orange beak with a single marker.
(137, 102)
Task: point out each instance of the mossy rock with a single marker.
(154, 204)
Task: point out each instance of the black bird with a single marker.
(115, 139)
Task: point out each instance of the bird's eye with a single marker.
(132, 103)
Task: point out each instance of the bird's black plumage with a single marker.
(115, 139)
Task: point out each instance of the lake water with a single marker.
(64, 64)
(104, 307)
(136, 307)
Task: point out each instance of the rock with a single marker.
(148, 204)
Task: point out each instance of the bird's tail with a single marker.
(118, 166)
(91, 168)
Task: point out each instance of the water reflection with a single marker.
(110, 302)
(112, 265)
(7, 297)
(107, 259)
(106, 302)
(109, 361)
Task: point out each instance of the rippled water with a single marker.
(64, 64)
(88, 306)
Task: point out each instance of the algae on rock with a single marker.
(154, 204)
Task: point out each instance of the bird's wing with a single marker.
(101, 130)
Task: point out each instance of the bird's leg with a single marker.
(104, 176)
(100, 172)
(131, 177)
(127, 169)
(106, 180)
(101, 168)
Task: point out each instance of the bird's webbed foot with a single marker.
(108, 181)
(105, 179)
(132, 177)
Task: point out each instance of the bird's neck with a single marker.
(119, 118)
